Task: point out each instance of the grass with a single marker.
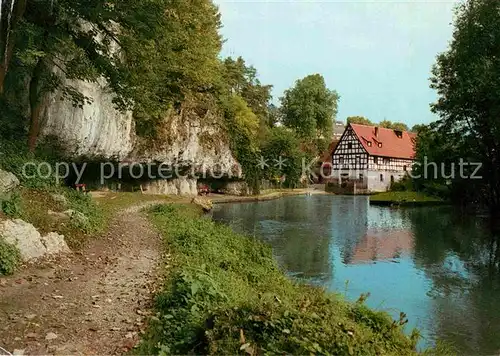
(225, 294)
(404, 198)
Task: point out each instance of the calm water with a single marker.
(439, 268)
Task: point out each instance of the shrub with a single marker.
(9, 258)
(11, 206)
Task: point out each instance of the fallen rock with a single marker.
(50, 336)
(59, 198)
(24, 236)
(8, 181)
(205, 204)
(79, 217)
(55, 243)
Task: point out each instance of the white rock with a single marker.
(97, 129)
(55, 243)
(8, 181)
(51, 336)
(179, 186)
(24, 236)
(235, 188)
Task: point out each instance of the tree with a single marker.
(310, 108)
(151, 53)
(240, 79)
(282, 145)
(361, 120)
(467, 80)
(393, 125)
(418, 128)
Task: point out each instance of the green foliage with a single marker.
(9, 258)
(361, 120)
(405, 184)
(242, 125)
(88, 217)
(11, 206)
(283, 143)
(226, 295)
(310, 107)
(466, 78)
(393, 125)
(151, 53)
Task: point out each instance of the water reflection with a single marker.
(438, 267)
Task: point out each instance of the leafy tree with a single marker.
(393, 125)
(418, 128)
(240, 79)
(151, 53)
(361, 120)
(310, 108)
(467, 80)
(282, 143)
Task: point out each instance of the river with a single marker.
(438, 267)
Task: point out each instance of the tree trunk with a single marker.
(35, 106)
(8, 48)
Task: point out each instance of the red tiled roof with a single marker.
(392, 145)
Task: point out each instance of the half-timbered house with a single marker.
(370, 158)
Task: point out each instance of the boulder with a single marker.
(205, 204)
(59, 198)
(55, 243)
(8, 181)
(25, 237)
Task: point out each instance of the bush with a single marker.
(9, 258)
(226, 295)
(11, 206)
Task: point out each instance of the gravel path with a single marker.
(92, 302)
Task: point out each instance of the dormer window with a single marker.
(380, 144)
(399, 133)
(369, 144)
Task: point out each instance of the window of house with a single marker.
(375, 160)
(349, 145)
(361, 176)
(404, 168)
(381, 177)
(387, 160)
(341, 160)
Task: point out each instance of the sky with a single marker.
(376, 54)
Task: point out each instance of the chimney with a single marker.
(376, 131)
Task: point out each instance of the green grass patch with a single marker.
(404, 198)
(9, 258)
(225, 294)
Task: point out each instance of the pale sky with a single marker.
(377, 54)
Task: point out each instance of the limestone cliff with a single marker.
(191, 136)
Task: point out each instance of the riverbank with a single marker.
(224, 294)
(264, 196)
(405, 198)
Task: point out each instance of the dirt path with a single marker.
(93, 302)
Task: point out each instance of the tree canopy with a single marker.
(310, 107)
(467, 80)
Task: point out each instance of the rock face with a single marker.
(28, 240)
(8, 181)
(236, 188)
(96, 130)
(190, 137)
(179, 186)
(205, 204)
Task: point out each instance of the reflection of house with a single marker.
(379, 245)
(370, 158)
